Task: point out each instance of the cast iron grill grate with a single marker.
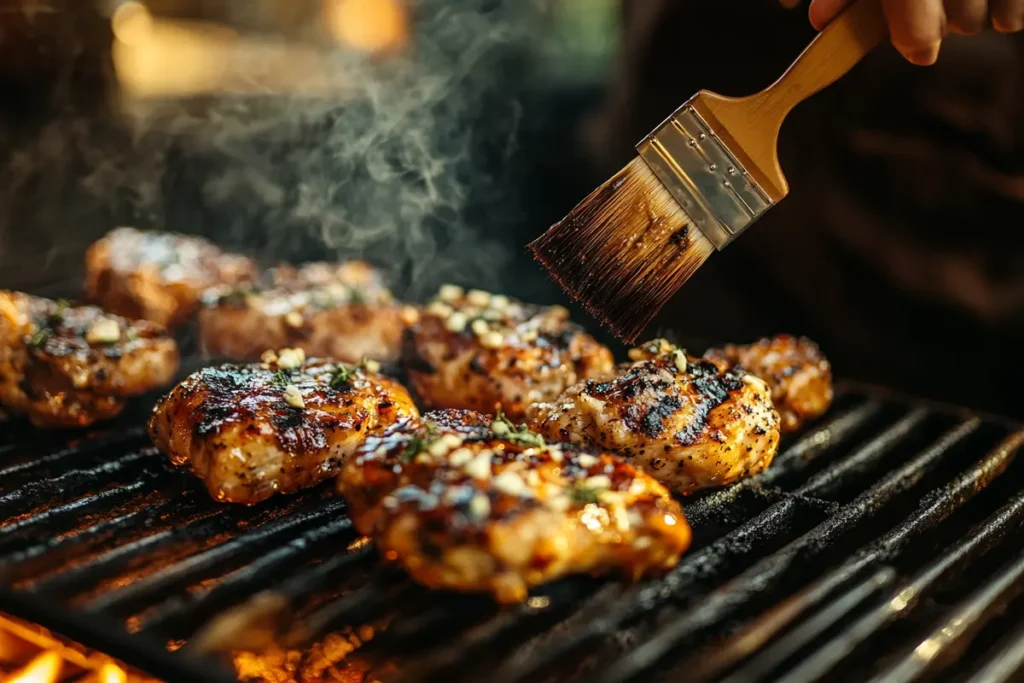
(879, 546)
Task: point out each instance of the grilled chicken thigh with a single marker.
(343, 311)
(64, 366)
(476, 351)
(250, 431)
(158, 276)
(358, 275)
(691, 423)
(466, 504)
(798, 375)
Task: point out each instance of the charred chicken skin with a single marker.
(469, 503)
(344, 312)
(250, 431)
(158, 276)
(690, 423)
(477, 351)
(797, 373)
(64, 366)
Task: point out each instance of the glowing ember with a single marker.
(111, 673)
(43, 669)
(327, 661)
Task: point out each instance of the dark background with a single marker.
(892, 251)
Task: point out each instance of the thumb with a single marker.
(824, 11)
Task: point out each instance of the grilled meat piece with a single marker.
(476, 351)
(158, 276)
(250, 431)
(344, 312)
(466, 504)
(691, 423)
(798, 374)
(65, 366)
(366, 281)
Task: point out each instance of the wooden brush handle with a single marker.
(836, 50)
(750, 125)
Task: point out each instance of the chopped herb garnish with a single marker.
(341, 376)
(503, 428)
(40, 337)
(56, 317)
(418, 444)
(355, 295)
(236, 296)
(585, 495)
(131, 334)
(280, 380)
(412, 448)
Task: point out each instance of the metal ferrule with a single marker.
(705, 178)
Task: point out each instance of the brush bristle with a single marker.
(624, 250)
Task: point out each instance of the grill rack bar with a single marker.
(809, 480)
(899, 599)
(1006, 664)
(73, 481)
(948, 638)
(143, 591)
(96, 500)
(787, 646)
(72, 580)
(196, 608)
(94, 446)
(763, 575)
(15, 564)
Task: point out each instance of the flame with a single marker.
(50, 659)
(45, 668)
(13, 650)
(112, 673)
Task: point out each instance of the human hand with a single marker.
(918, 26)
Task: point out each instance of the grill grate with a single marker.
(877, 547)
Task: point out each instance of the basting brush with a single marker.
(701, 178)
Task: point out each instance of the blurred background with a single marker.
(437, 137)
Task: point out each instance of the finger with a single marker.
(1008, 15)
(917, 28)
(967, 16)
(824, 11)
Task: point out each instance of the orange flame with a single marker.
(112, 673)
(43, 669)
(14, 651)
(50, 660)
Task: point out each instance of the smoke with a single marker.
(407, 168)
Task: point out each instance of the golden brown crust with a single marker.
(477, 351)
(471, 504)
(341, 311)
(798, 374)
(158, 276)
(691, 423)
(250, 431)
(65, 366)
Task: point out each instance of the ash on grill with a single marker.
(878, 546)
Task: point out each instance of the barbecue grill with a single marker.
(878, 546)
